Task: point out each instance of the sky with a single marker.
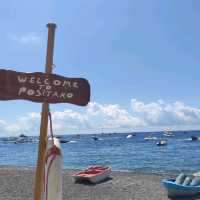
(141, 58)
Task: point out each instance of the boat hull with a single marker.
(176, 190)
(92, 176)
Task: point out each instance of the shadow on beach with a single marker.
(197, 197)
(87, 182)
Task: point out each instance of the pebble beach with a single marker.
(17, 183)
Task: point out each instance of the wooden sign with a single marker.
(42, 87)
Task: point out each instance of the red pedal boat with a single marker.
(94, 174)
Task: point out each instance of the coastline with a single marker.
(17, 183)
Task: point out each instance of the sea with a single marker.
(114, 149)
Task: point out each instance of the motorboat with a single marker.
(95, 138)
(93, 174)
(22, 139)
(129, 136)
(194, 138)
(64, 141)
(150, 138)
(25, 139)
(168, 133)
(161, 143)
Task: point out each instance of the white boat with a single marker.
(168, 133)
(93, 174)
(22, 139)
(129, 136)
(150, 138)
(53, 170)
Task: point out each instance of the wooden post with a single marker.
(39, 177)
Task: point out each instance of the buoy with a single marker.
(53, 170)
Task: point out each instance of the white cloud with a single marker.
(3, 125)
(29, 38)
(110, 117)
(150, 112)
(164, 114)
(69, 120)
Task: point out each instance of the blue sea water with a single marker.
(137, 154)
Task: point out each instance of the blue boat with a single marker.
(177, 190)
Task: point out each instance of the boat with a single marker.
(93, 174)
(150, 137)
(95, 138)
(194, 138)
(53, 170)
(177, 190)
(168, 133)
(161, 143)
(22, 139)
(64, 141)
(129, 136)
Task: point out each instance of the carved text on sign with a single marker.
(41, 87)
